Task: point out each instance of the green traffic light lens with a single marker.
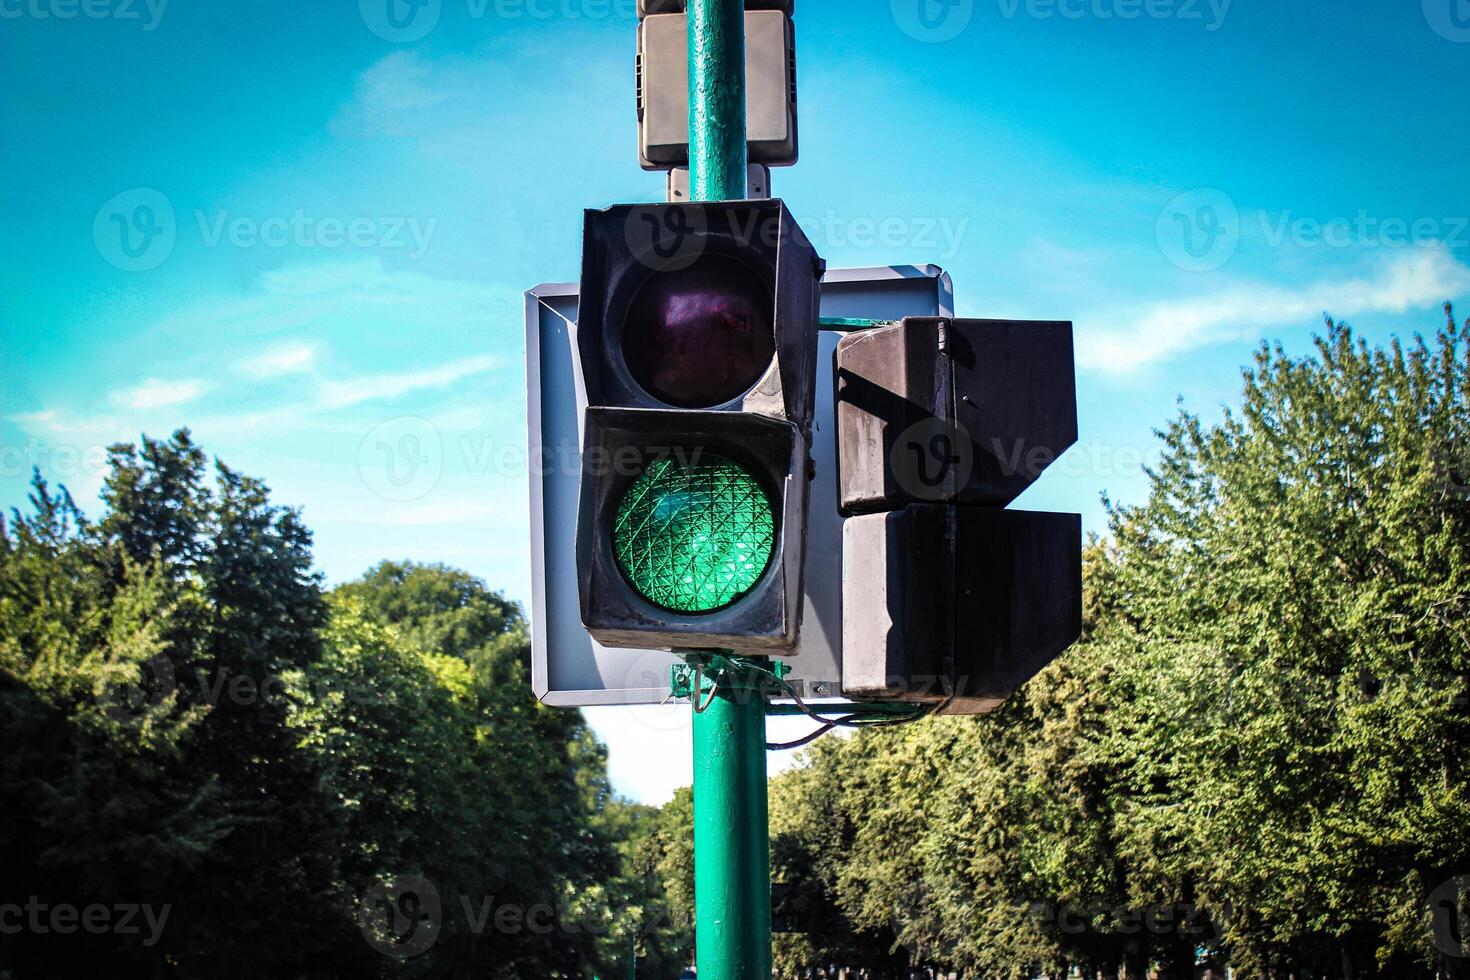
(694, 535)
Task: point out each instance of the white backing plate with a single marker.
(568, 668)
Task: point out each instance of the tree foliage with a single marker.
(194, 726)
(1258, 753)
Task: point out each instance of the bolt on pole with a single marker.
(732, 859)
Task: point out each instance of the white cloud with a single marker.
(311, 298)
(649, 748)
(320, 299)
(307, 300)
(160, 393)
(54, 424)
(35, 420)
(313, 278)
(397, 86)
(457, 102)
(1129, 338)
(297, 358)
(341, 394)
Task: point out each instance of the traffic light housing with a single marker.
(962, 411)
(948, 598)
(696, 337)
(958, 606)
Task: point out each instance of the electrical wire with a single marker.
(854, 719)
(798, 743)
(700, 709)
(849, 719)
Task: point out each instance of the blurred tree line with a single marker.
(1255, 760)
(215, 768)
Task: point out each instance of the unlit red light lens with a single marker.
(694, 536)
(700, 336)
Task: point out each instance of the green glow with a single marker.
(694, 536)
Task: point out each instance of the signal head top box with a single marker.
(647, 7)
(770, 87)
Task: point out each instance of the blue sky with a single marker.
(330, 220)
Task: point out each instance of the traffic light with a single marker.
(696, 336)
(948, 598)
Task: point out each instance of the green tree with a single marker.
(1257, 752)
(499, 800)
(1296, 591)
(191, 723)
(97, 805)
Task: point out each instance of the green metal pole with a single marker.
(732, 858)
(732, 854)
(716, 100)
